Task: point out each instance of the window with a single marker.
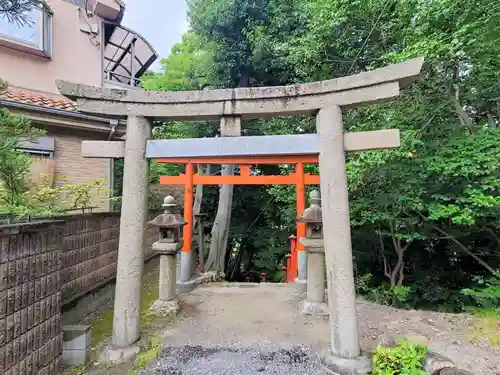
(42, 147)
(35, 35)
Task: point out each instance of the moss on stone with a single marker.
(148, 353)
(102, 324)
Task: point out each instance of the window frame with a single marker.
(43, 45)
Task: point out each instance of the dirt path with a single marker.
(242, 316)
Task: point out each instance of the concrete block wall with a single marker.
(90, 252)
(30, 298)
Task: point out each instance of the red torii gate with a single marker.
(299, 179)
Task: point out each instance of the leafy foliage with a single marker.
(14, 164)
(486, 294)
(404, 359)
(385, 295)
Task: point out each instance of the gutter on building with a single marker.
(54, 111)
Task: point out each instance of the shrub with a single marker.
(383, 294)
(486, 294)
(404, 359)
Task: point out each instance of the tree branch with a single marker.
(466, 250)
(454, 95)
(387, 269)
(490, 231)
(16, 10)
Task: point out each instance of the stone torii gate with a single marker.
(323, 99)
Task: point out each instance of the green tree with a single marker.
(14, 164)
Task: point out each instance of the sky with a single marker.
(161, 22)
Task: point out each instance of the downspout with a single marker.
(113, 123)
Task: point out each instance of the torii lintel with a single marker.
(376, 86)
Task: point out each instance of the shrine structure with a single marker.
(324, 100)
(297, 267)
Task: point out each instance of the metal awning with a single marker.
(127, 54)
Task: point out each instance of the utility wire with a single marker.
(368, 37)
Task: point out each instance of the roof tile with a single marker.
(38, 98)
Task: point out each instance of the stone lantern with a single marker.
(313, 243)
(168, 245)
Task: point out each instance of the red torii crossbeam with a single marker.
(299, 179)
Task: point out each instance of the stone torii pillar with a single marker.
(134, 210)
(324, 99)
(344, 336)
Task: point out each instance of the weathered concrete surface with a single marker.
(346, 366)
(132, 239)
(337, 235)
(368, 87)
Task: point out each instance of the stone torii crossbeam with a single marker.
(324, 100)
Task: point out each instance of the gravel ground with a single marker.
(224, 324)
(197, 360)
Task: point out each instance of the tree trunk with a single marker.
(229, 127)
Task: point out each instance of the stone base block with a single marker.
(76, 345)
(346, 366)
(314, 308)
(114, 355)
(76, 357)
(188, 286)
(165, 307)
(435, 362)
(300, 285)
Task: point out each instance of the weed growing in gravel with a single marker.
(404, 359)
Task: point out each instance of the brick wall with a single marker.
(71, 164)
(30, 298)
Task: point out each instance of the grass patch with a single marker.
(487, 329)
(102, 324)
(75, 370)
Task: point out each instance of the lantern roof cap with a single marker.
(168, 221)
